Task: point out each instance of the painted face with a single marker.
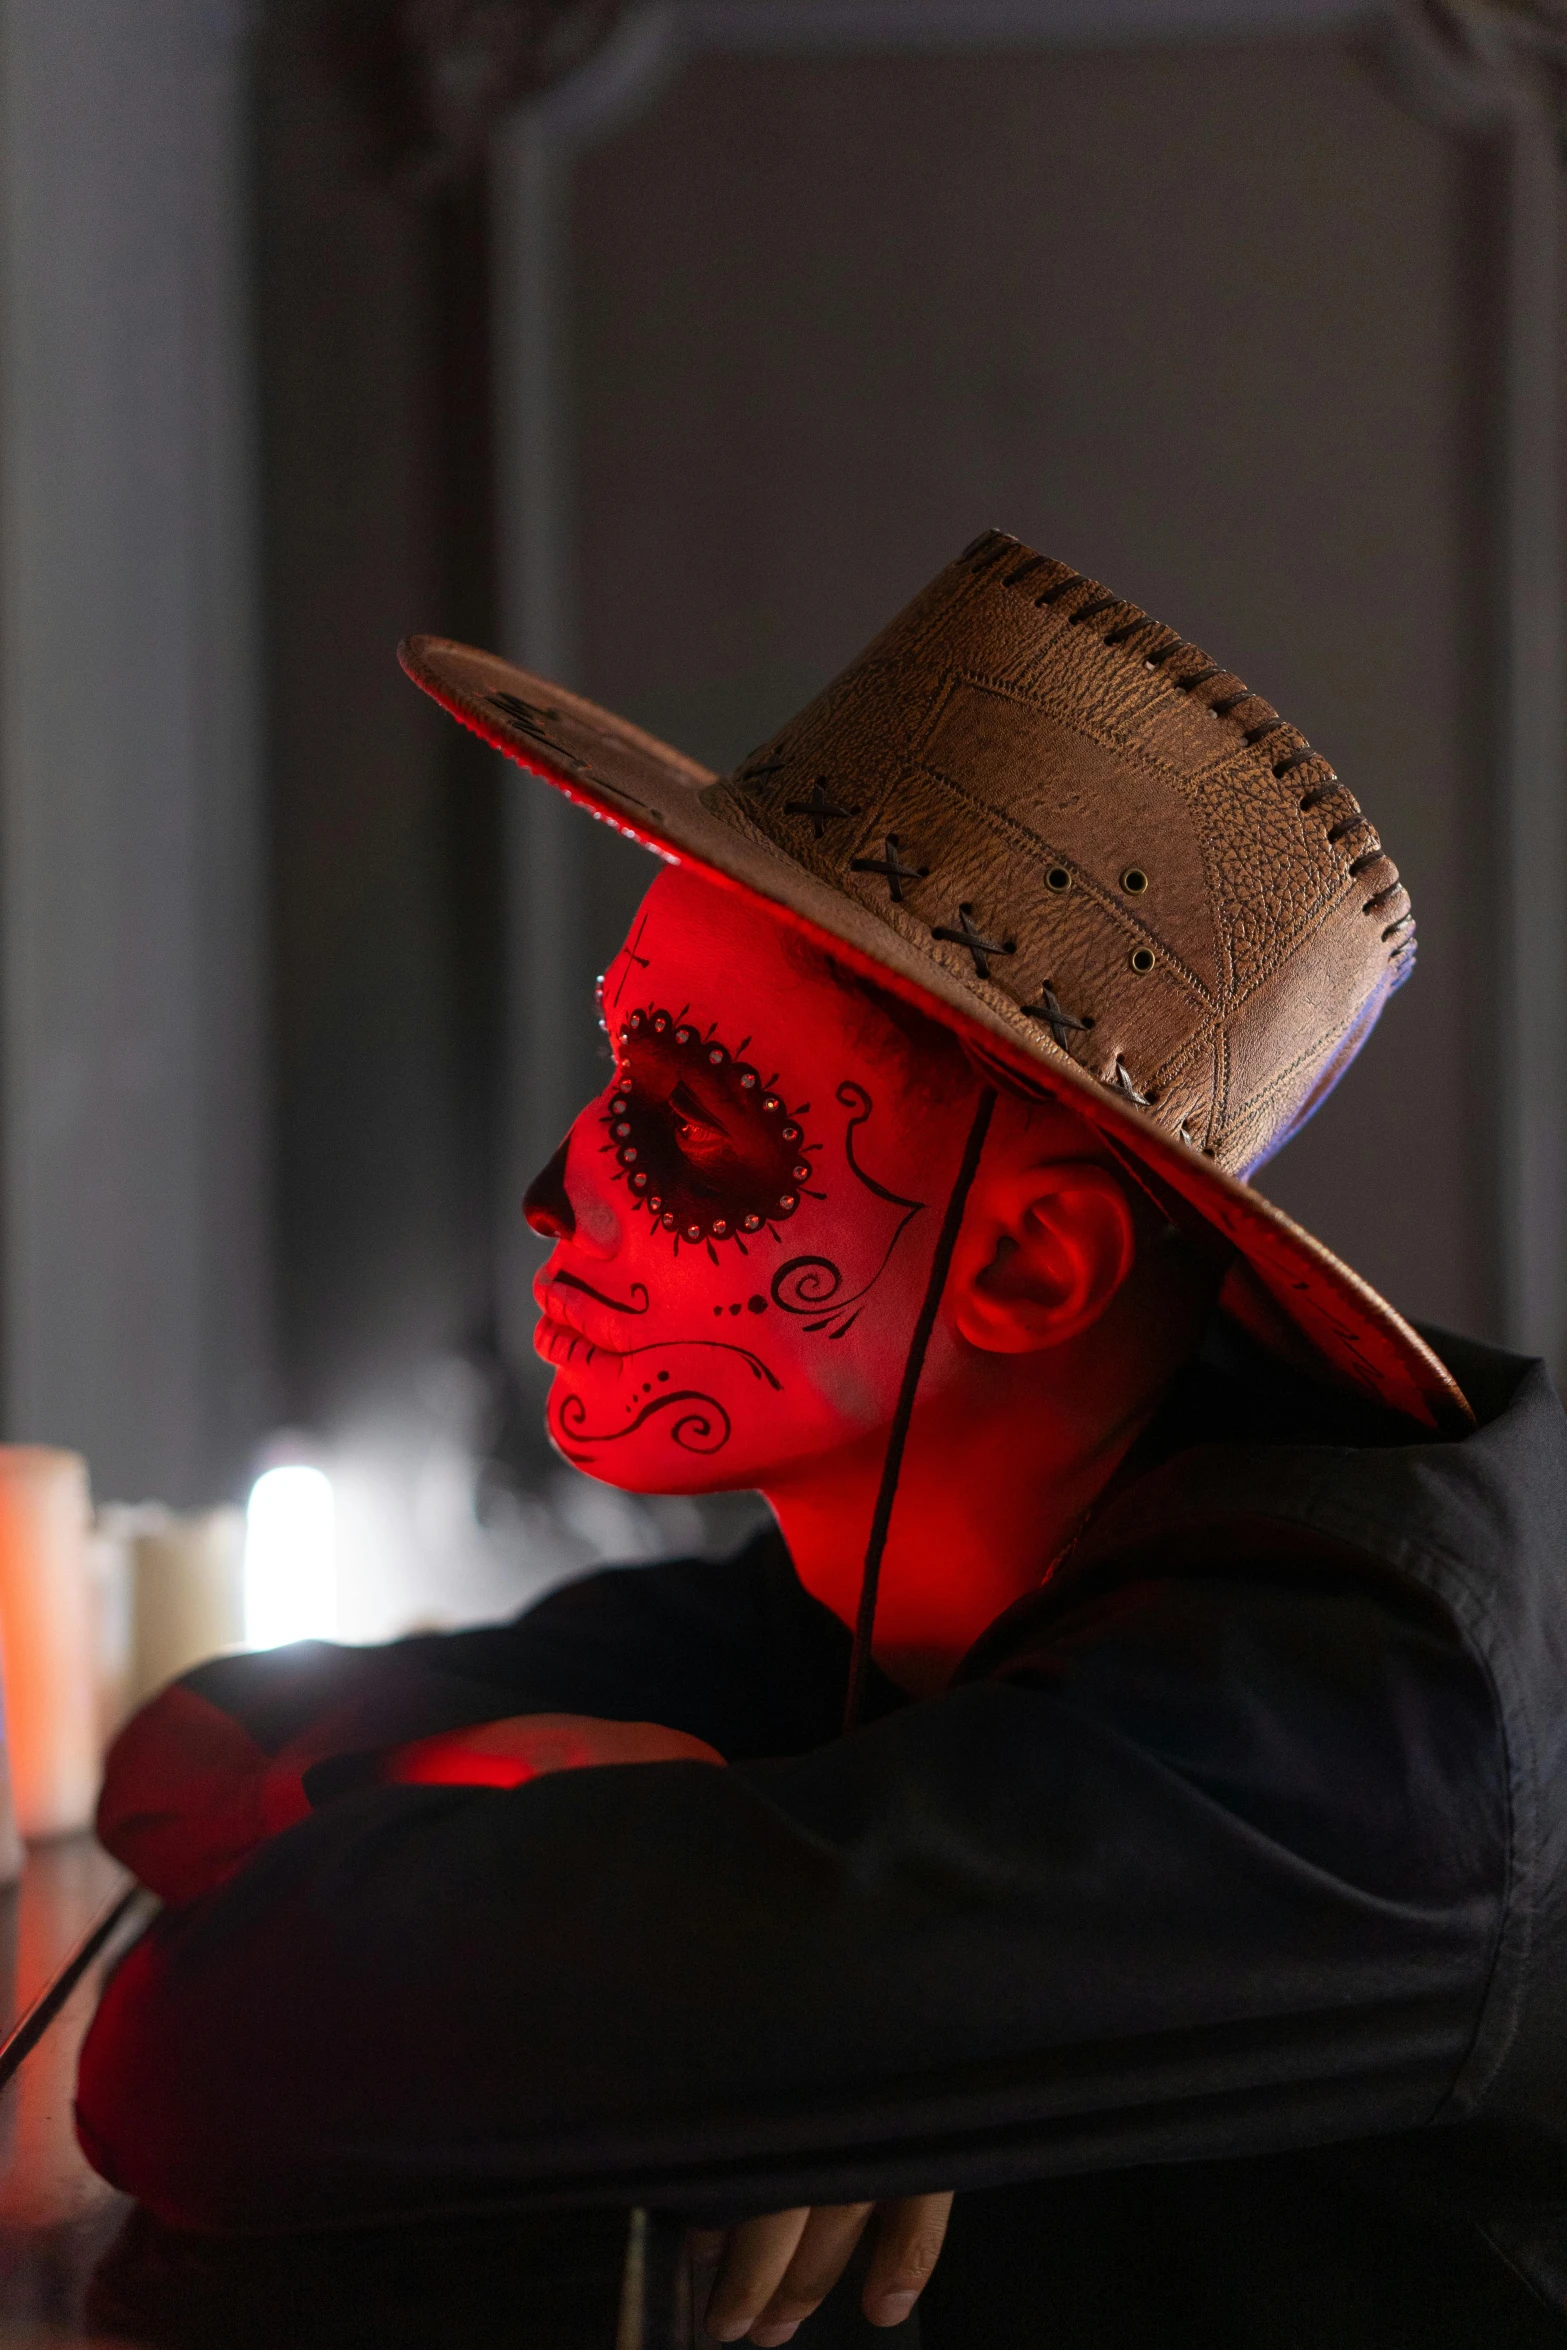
(743, 1219)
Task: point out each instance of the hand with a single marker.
(772, 2272)
(508, 1753)
(186, 1796)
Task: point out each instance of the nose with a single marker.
(546, 1203)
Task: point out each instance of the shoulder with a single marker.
(1258, 1469)
(707, 1600)
(1341, 1714)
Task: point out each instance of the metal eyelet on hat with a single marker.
(1058, 878)
(1142, 960)
(1134, 881)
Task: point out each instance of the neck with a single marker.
(983, 1508)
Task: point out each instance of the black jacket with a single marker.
(1225, 1891)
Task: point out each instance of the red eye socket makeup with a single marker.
(710, 1150)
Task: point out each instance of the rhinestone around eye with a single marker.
(717, 1055)
(791, 1134)
(748, 1080)
(770, 1101)
(751, 1223)
(801, 1173)
(617, 1106)
(655, 1203)
(639, 1180)
(623, 1129)
(667, 1220)
(636, 1021)
(660, 1024)
(682, 1036)
(788, 1202)
(628, 1156)
(693, 1232)
(719, 1228)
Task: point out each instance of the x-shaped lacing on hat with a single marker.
(821, 809)
(1049, 1008)
(980, 947)
(891, 867)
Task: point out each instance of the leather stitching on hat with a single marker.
(969, 935)
(820, 807)
(1097, 599)
(891, 867)
(1001, 821)
(1257, 761)
(1056, 1019)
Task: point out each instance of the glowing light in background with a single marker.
(290, 1558)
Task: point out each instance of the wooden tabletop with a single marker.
(56, 2215)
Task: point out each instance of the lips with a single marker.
(559, 1344)
(565, 1332)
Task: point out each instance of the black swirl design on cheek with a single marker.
(807, 1285)
(637, 1304)
(701, 1424)
(753, 1362)
(814, 1285)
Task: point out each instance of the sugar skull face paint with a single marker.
(741, 1218)
(706, 1144)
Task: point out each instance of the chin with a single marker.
(645, 1436)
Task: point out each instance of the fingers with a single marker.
(820, 2258)
(773, 2272)
(756, 2257)
(907, 2246)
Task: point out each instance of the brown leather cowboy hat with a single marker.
(1053, 824)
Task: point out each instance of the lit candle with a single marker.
(188, 1587)
(48, 1639)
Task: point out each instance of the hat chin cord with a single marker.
(897, 1434)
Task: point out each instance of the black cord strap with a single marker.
(25, 2035)
(897, 1435)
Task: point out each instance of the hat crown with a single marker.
(1104, 836)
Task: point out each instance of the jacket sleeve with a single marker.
(244, 1746)
(1210, 1867)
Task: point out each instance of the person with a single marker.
(1122, 1787)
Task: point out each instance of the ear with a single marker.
(1042, 1252)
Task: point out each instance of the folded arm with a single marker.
(1216, 1869)
(723, 1655)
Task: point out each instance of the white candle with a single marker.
(188, 1593)
(47, 1639)
(109, 1567)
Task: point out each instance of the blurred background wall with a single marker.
(670, 346)
(135, 1267)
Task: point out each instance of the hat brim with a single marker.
(1291, 1290)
